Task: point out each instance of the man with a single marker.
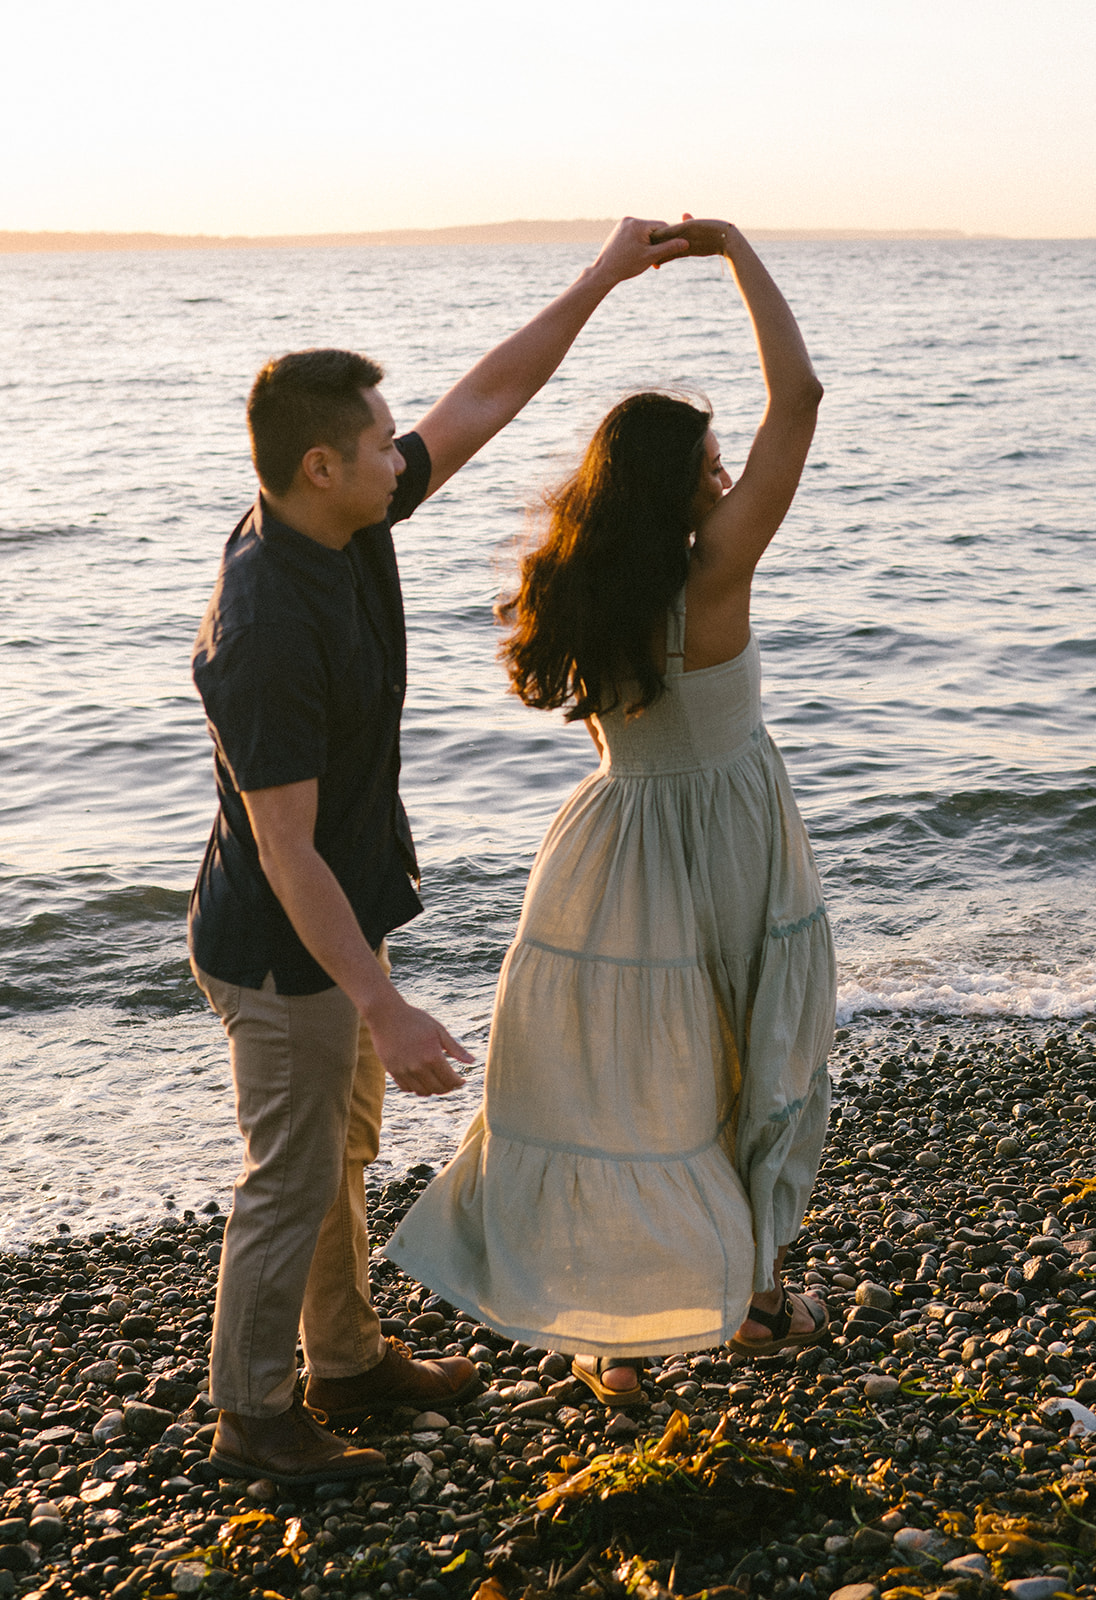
(300, 661)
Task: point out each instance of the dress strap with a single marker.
(675, 637)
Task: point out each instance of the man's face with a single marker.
(366, 482)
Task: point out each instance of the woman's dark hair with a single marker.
(615, 554)
(307, 398)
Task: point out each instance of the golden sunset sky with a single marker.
(265, 117)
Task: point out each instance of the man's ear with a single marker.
(316, 466)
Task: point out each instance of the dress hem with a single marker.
(540, 1339)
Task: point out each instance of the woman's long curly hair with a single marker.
(616, 552)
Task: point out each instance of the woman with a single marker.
(656, 1093)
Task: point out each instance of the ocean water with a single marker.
(926, 617)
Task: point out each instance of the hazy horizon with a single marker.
(547, 230)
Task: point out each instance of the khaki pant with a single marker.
(309, 1092)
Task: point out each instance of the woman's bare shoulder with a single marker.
(717, 619)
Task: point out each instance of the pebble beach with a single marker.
(941, 1441)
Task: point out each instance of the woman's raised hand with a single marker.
(705, 236)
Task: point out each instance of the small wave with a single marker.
(950, 989)
(1072, 647)
(17, 536)
(124, 946)
(1068, 814)
(1053, 828)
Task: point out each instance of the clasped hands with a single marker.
(705, 236)
(636, 245)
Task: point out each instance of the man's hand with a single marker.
(634, 245)
(704, 236)
(413, 1047)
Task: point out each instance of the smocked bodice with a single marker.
(704, 719)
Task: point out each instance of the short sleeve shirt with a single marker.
(301, 664)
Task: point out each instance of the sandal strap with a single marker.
(778, 1322)
(607, 1363)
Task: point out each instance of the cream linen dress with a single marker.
(656, 1091)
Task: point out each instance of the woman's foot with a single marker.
(613, 1379)
(778, 1320)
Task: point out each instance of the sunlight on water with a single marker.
(925, 616)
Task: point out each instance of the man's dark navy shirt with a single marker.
(301, 663)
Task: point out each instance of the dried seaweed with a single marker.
(711, 1489)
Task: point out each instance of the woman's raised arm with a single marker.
(734, 535)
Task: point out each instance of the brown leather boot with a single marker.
(396, 1381)
(289, 1448)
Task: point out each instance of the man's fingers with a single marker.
(450, 1078)
(437, 1078)
(440, 1079)
(457, 1051)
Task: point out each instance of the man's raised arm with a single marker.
(499, 385)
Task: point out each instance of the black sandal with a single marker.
(780, 1324)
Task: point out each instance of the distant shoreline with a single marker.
(576, 231)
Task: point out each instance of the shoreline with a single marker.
(48, 1189)
(915, 1452)
(579, 230)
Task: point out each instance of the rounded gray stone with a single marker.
(429, 1422)
(147, 1422)
(187, 1577)
(111, 1425)
(971, 1565)
(1037, 1588)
